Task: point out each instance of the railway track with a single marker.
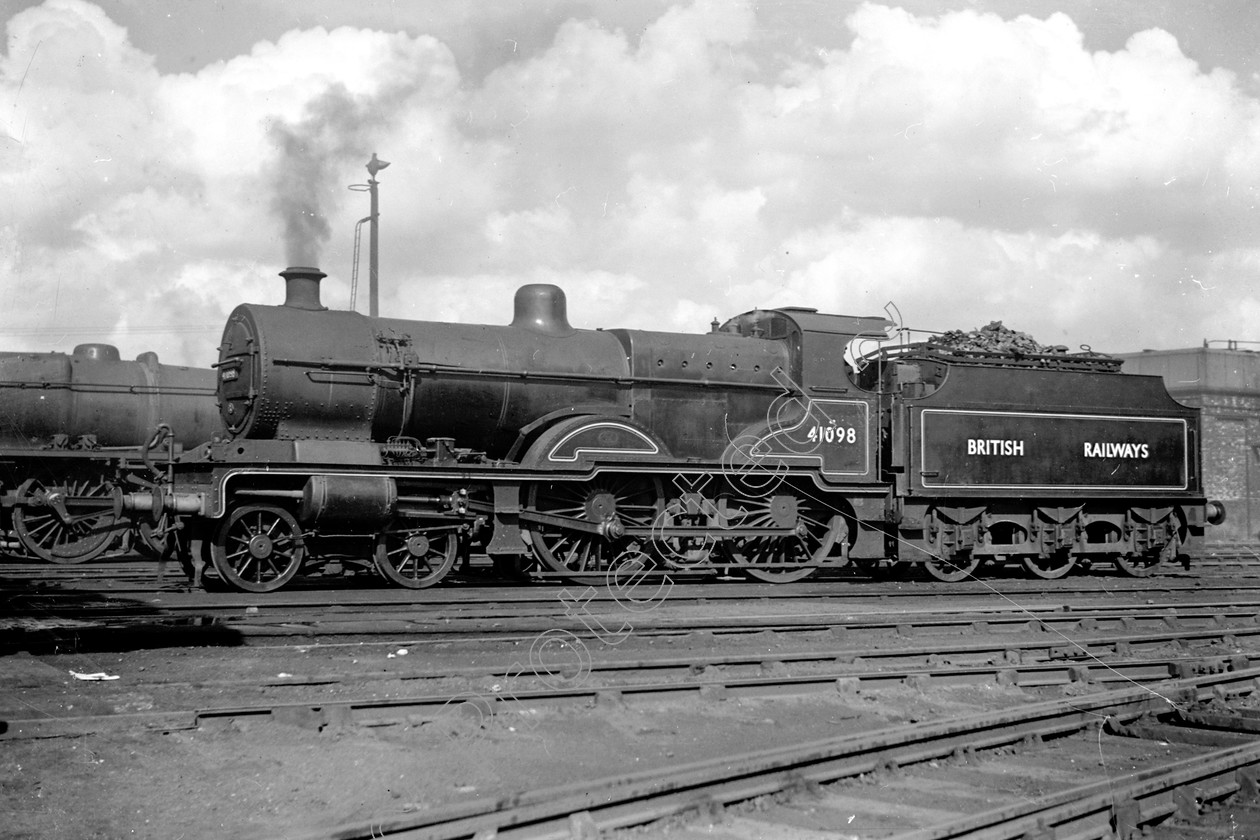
(618, 684)
(129, 573)
(359, 589)
(99, 590)
(702, 647)
(94, 614)
(966, 776)
(1021, 661)
(82, 629)
(1229, 555)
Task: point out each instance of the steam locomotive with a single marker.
(771, 446)
(76, 428)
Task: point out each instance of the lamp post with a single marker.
(374, 165)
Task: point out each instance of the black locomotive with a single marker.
(77, 428)
(763, 446)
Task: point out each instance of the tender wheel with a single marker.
(258, 548)
(70, 523)
(609, 501)
(1144, 565)
(1053, 567)
(413, 557)
(781, 559)
(953, 569)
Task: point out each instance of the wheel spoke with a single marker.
(243, 569)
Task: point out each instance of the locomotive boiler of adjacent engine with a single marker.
(93, 394)
(299, 370)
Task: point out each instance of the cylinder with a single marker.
(363, 500)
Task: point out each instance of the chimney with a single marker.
(301, 287)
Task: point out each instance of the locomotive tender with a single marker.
(756, 447)
(78, 427)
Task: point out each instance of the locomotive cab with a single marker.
(816, 342)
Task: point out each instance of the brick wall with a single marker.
(1225, 384)
(1231, 436)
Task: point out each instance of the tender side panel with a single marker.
(1011, 450)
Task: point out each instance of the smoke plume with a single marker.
(314, 157)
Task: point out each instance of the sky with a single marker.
(1084, 172)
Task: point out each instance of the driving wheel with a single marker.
(781, 559)
(599, 510)
(66, 523)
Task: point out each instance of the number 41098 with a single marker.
(819, 433)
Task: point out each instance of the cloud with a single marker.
(126, 180)
(966, 166)
(78, 96)
(1014, 124)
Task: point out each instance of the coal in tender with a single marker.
(995, 338)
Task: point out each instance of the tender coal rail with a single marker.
(1078, 771)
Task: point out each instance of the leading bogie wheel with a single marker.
(258, 548)
(414, 557)
(65, 523)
